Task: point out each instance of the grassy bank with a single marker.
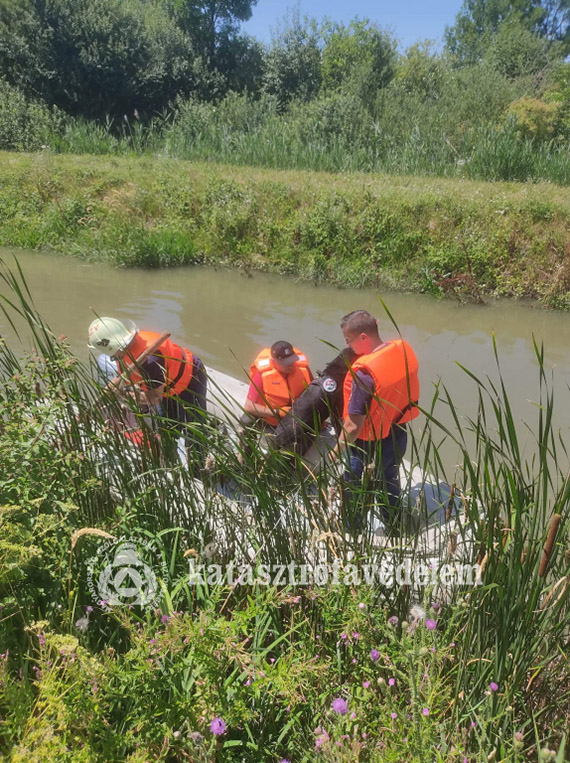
(458, 237)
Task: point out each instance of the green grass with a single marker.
(460, 237)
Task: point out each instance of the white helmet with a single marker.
(109, 335)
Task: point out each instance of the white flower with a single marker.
(417, 612)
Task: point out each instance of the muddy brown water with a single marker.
(226, 316)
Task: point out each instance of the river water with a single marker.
(226, 316)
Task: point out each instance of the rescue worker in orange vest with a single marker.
(381, 393)
(278, 374)
(172, 376)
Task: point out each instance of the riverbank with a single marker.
(460, 238)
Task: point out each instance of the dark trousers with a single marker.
(183, 412)
(382, 485)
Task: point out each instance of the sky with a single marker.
(409, 20)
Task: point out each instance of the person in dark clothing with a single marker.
(322, 399)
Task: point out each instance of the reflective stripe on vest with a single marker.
(178, 362)
(278, 390)
(394, 370)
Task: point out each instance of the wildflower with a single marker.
(343, 636)
(417, 612)
(42, 639)
(321, 739)
(218, 727)
(431, 625)
(425, 711)
(366, 684)
(435, 606)
(493, 686)
(352, 716)
(284, 760)
(393, 716)
(519, 736)
(374, 655)
(393, 620)
(362, 606)
(176, 734)
(355, 635)
(89, 609)
(82, 624)
(339, 706)
(164, 619)
(391, 682)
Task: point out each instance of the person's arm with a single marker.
(255, 403)
(350, 430)
(358, 405)
(259, 410)
(153, 373)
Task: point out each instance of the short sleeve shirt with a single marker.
(361, 394)
(255, 388)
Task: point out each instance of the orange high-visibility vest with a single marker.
(178, 362)
(279, 391)
(394, 369)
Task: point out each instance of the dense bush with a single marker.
(26, 125)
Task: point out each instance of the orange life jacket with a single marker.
(177, 362)
(394, 369)
(279, 391)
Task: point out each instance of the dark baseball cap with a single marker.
(283, 353)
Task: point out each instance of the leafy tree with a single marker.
(97, 57)
(361, 55)
(213, 29)
(479, 20)
(515, 51)
(210, 22)
(293, 61)
(421, 71)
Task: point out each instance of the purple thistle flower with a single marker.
(425, 711)
(493, 686)
(366, 684)
(435, 606)
(391, 682)
(393, 620)
(393, 716)
(218, 727)
(284, 760)
(431, 625)
(374, 655)
(339, 706)
(164, 619)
